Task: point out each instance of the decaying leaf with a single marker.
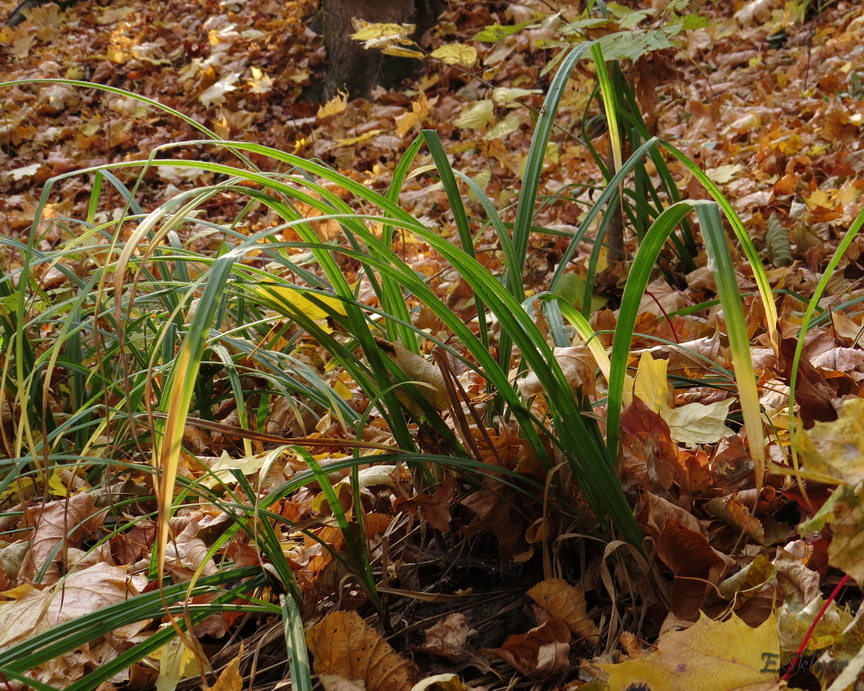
(57, 522)
(578, 366)
(348, 651)
(778, 243)
(425, 375)
(447, 638)
(436, 507)
(836, 449)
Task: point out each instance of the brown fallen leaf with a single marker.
(693, 562)
(350, 654)
(541, 653)
(230, 678)
(436, 507)
(56, 522)
(566, 602)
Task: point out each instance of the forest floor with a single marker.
(769, 104)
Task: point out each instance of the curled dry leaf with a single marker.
(541, 653)
(436, 507)
(732, 510)
(566, 602)
(426, 376)
(447, 637)
(350, 654)
(578, 365)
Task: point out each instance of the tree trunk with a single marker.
(352, 67)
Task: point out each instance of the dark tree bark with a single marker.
(352, 67)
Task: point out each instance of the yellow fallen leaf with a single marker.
(475, 115)
(456, 54)
(402, 52)
(365, 137)
(504, 95)
(651, 386)
(334, 106)
(440, 682)
(694, 423)
(566, 602)
(380, 35)
(230, 679)
(176, 662)
(836, 449)
(309, 306)
(709, 656)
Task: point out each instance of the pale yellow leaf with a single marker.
(176, 662)
(440, 682)
(475, 115)
(381, 35)
(504, 95)
(456, 54)
(504, 127)
(403, 52)
(693, 424)
(710, 655)
(724, 174)
(426, 376)
(309, 306)
(216, 92)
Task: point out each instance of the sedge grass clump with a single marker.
(154, 340)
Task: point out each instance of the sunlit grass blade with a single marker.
(759, 274)
(176, 402)
(610, 104)
(720, 259)
(637, 282)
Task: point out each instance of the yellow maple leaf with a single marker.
(710, 656)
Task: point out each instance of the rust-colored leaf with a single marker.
(694, 564)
